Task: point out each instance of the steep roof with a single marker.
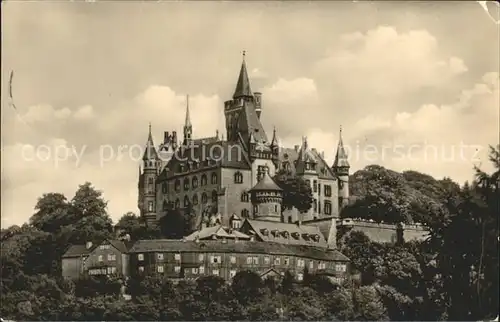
(249, 123)
(222, 153)
(243, 85)
(150, 151)
(301, 231)
(290, 155)
(341, 158)
(266, 184)
(248, 247)
(82, 250)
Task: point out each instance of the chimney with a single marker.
(88, 245)
(296, 148)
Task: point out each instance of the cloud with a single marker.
(108, 157)
(384, 69)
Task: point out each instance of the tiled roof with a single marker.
(222, 153)
(219, 231)
(266, 184)
(249, 124)
(341, 155)
(82, 250)
(77, 251)
(297, 234)
(250, 247)
(322, 169)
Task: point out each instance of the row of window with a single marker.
(102, 271)
(193, 183)
(251, 260)
(111, 257)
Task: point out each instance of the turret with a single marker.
(267, 198)
(147, 180)
(341, 169)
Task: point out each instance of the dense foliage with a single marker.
(296, 192)
(451, 276)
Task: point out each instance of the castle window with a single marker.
(186, 201)
(177, 185)
(319, 188)
(244, 213)
(244, 197)
(308, 182)
(177, 203)
(195, 182)
(315, 205)
(214, 196)
(290, 219)
(328, 191)
(214, 178)
(150, 206)
(150, 180)
(204, 198)
(186, 184)
(315, 186)
(261, 170)
(255, 209)
(319, 207)
(238, 177)
(328, 208)
(204, 180)
(275, 208)
(164, 187)
(195, 199)
(236, 223)
(165, 205)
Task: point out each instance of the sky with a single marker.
(414, 85)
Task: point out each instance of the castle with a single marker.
(229, 178)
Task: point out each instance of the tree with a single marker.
(296, 192)
(177, 223)
(51, 212)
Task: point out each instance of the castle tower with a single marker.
(267, 198)
(147, 181)
(188, 127)
(235, 108)
(306, 167)
(341, 169)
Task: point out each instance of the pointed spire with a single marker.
(187, 123)
(150, 152)
(243, 85)
(274, 140)
(341, 156)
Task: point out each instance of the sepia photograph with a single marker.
(250, 160)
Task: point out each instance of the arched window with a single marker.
(204, 198)
(150, 180)
(186, 201)
(186, 184)
(214, 178)
(245, 213)
(238, 177)
(204, 180)
(244, 197)
(195, 199)
(165, 205)
(177, 185)
(214, 196)
(328, 208)
(177, 203)
(194, 182)
(315, 186)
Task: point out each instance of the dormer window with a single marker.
(265, 232)
(305, 236)
(275, 232)
(295, 235)
(286, 234)
(316, 238)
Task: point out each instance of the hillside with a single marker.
(384, 195)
